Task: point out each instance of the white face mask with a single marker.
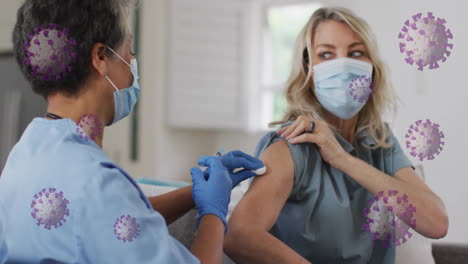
(343, 85)
(125, 99)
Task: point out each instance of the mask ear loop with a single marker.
(112, 83)
(120, 57)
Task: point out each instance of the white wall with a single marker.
(440, 95)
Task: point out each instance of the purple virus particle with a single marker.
(424, 41)
(50, 52)
(89, 127)
(389, 218)
(424, 139)
(126, 228)
(49, 208)
(361, 88)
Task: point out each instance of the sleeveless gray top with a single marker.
(323, 217)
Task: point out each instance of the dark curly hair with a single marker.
(87, 22)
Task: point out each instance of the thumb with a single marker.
(197, 176)
(210, 161)
(241, 176)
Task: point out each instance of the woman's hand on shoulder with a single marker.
(321, 135)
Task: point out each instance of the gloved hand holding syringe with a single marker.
(232, 161)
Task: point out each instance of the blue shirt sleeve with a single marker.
(117, 225)
(304, 157)
(394, 157)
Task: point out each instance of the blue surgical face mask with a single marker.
(341, 84)
(125, 99)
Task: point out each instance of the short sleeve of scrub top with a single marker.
(322, 218)
(116, 226)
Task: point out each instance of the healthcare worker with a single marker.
(64, 200)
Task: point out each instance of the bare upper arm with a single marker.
(261, 205)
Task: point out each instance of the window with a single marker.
(236, 55)
(282, 25)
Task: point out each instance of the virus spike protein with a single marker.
(424, 139)
(126, 228)
(361, 88)
(424, 41)
(50, 52)
(389, 218)
(49, 208)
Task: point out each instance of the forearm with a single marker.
(428, 205)
(173, 205)
(259, 247)
(208, 244)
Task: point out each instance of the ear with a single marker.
(99, 58)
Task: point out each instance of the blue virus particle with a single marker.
(89, 127)
(361, 88)
(389, 218)
(424, 41)
(126, 228)
(50, 52)
(424, 139)
(49, 208)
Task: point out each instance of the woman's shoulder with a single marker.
(265, 141)
(298, 151)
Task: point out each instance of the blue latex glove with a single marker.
(238, 159)
(211, 194)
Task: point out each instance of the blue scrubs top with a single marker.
(322, 219)
(65, 201)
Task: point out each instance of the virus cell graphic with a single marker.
(424, 139)
(89, 127)
(424, 41)
(361, 88)
(126, 228)
(49, 208)
(50, 52)
(389, 218)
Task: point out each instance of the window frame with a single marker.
(266, 110)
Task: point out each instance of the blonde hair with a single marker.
(302, 101)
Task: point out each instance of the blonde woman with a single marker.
(331, 156)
